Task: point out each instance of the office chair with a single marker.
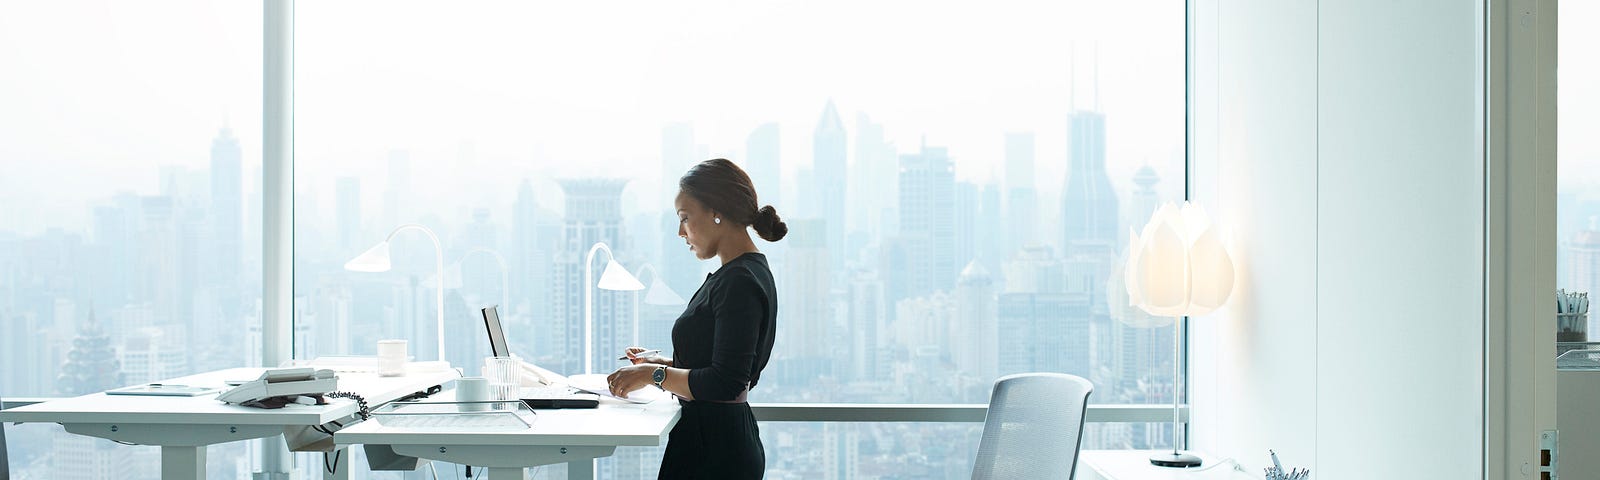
(1033, 428)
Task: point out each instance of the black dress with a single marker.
(724, 338)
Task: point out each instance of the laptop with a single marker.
(545, 396)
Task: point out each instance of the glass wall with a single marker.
(1578, 152)
(958, 181)
(130, 210)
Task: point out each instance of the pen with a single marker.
(640, 354)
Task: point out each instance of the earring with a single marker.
(717, 220)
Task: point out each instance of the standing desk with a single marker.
(184, 426)
(572, 436)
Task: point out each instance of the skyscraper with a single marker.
(92, 366)
(1044, 332)
(1021, 199)
(828, 144)
(226, 209)
(873, 185)
(761, 161)
(805, 288)
(967, 233)
(976, 331)
(1088, 203)
(927, 220)
(868, 318)
(593, 214)
(679, 269)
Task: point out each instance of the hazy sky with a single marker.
(99, 94)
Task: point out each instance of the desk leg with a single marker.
(580, 470)
(505, 473)
(183, 463)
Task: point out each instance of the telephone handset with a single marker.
(283, 382)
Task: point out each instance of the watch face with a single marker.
(660, 375)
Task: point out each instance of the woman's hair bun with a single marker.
(768, 225)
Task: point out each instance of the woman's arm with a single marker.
(634, 377)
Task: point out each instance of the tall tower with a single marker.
(762, 163)
(92, 365)
(927, 221)
(828, 145)
(226, 209)
(806, 278)
(593, 214)
(976, 328)
(1020, 194)
(1088, 203)
(873, 189)
(679, 268)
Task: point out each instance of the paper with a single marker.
(596, 383)
(160, 390)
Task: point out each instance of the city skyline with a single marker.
(341, 312)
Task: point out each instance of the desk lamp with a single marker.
(659, 294)
(614, 278)
(376, 259)
(1178, 267)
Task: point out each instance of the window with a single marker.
(1577, 154)
(958, 181)
(129, 210)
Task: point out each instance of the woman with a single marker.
(724, 337)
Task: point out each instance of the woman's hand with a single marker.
(630, 378)
(633, 356)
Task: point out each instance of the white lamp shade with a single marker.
(1178, 265)
(375, 259)
(617, 278)
(661, 294)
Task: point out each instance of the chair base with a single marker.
(1175, 460)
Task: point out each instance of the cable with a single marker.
(434, 470)
(1218, 463)
(360, 402)
(335, 466)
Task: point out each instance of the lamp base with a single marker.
(1175, 460)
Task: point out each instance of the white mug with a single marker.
(472, 389)
(391, 358)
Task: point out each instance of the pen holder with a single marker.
(1571, 327)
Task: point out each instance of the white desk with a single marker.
(1135, 465)
(572, 436)
(184, 426)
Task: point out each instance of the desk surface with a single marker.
(613, 423)
(1135, 464)
(206, 410)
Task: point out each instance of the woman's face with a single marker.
(696, 226)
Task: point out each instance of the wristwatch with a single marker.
(658, 376)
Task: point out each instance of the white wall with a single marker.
(1338, 140)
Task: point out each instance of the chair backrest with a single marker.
(1033, 428)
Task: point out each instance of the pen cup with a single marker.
(391, 358)
(1571, 327)
(502, 374)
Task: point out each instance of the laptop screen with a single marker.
(497, 336)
